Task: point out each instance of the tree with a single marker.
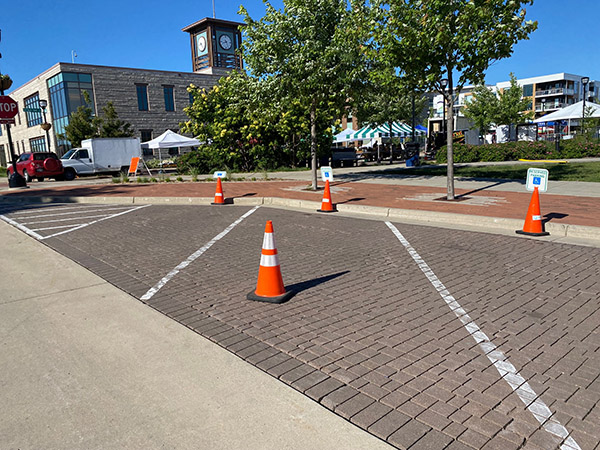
(505, 108)
(110, 126)
(511, 105)
(428, 40)
(83, 125)
(482, 109)
(307, 53)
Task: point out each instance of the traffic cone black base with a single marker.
(279, 299)
(327, 211)
(527, 233)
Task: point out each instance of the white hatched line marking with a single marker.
(532, 401)
(56, 228)
(68, 213)
(39, 207)
(67, 220)
(21, 227)
(94, 221)
(190, 259)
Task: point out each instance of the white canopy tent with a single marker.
(170, 139)
(571, 112)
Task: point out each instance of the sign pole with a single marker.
(15, 180)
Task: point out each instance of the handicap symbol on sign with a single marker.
(537, 181)
(326, 174)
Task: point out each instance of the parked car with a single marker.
(38, 165)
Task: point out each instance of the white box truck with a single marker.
(100, 155)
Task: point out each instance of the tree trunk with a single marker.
(449, 101)
(313, 143)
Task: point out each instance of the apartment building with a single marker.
(548, 93)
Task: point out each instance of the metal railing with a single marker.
(555, 91)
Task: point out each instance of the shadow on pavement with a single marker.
(304, 285)
(548, 217)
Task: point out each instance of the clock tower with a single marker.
(214, 45)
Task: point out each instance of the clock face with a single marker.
(201, 44)
(225, 41)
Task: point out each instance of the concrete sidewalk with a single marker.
(86, 366)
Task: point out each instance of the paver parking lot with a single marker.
(371, 334)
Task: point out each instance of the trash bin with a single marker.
(412, 149)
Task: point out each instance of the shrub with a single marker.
(513, 151)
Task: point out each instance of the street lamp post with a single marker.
(45, 126)
(584, 81)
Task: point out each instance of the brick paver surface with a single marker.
(367, 335)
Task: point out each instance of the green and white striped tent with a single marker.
(367, 132)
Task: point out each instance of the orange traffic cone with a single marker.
(533, 222)
(326, 204)
(219, 199)
(270, 284)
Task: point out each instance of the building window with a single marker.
(145, 136)
(33, 118)
(174, 151)
(169, 101)
(2, 156)
(142, 96)
(191, 98)
(68, 91)
(38, 144)
(528, 90)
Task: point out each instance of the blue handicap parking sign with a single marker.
(326, 174)
(537, 180)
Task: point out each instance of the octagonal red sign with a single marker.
(8, 107)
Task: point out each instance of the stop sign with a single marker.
(8, 107)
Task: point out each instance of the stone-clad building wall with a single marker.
(116, 84)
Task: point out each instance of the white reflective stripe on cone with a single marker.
(269, 260)
(218, 194)
(326, 200)
(269, 241)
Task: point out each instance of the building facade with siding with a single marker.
(152, 101)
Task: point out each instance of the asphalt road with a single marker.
(425, 337)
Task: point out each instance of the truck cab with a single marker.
(79, 160)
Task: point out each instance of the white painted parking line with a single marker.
(54, 214)
(507, 371)
(152, 291)
(66, 220)
(24, 226)
(95, 221)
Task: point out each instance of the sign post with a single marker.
(8, 110)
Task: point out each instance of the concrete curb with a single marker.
(440, 219)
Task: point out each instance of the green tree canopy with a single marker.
(507, 107)
(482, 108)
(83, 125)
(429, 40)
(307, 53)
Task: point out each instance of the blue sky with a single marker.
(37, 34)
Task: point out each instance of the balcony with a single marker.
(540, 107)
(554, 91)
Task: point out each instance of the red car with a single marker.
(38, 165)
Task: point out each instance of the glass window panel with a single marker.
(142, 96)
(169, 102)
(70, 76)
(85, 77)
